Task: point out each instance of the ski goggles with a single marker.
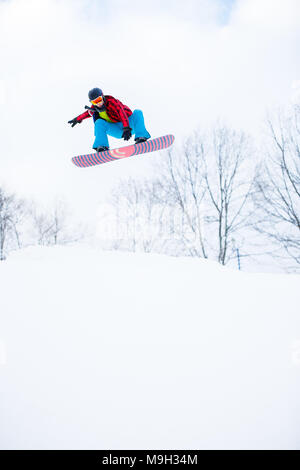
(97, 100)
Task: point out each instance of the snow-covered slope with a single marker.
(113, 350)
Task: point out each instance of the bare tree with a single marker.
(182, 180)
(198, 204)
(52, 227)
(138, 215)
(229, 187)
(11, 215)
(278, 187)
(210, 182)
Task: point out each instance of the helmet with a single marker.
(94, 93)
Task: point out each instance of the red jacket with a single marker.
(116, 111)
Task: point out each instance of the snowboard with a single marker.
(97, 158)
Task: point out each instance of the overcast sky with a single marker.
(184, 63)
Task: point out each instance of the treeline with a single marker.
(24, 223)
(217, 197)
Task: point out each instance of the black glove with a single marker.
(126, 133)
(73, 122)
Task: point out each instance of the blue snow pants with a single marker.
(115, 129)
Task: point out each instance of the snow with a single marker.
(112, 350)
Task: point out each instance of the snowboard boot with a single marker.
(139, 140)
(101, 148)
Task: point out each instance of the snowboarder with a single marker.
(111, 117)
